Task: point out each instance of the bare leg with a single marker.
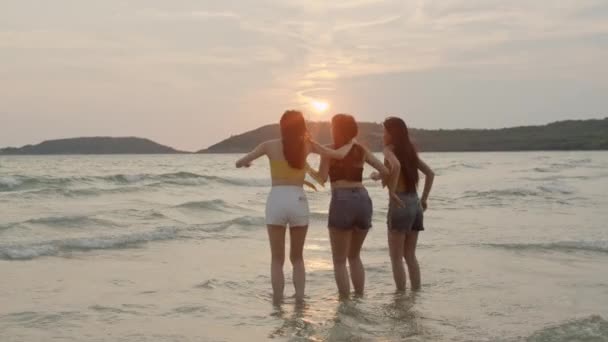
(340, 241)
(297, 236)
(409, 247)
(357, 272)
(396, 242)
(276, 236)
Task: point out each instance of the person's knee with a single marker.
(396, 255)
(278, 258)
(296, 258)
(354, 256)
(410, 259)
(339, 259)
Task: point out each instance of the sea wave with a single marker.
(245, 223)
(83, 221)
(27, 251)
(71, 221)
(542, 191)
(460, 166)
(599, 246)
(568, 164)
(215, 205)
(92, 185)
(57, 247)
(592, 328)
(61, 222)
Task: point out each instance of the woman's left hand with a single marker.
(396, 200)
(375, 176)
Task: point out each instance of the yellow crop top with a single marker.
(281, 170)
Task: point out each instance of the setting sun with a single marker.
(320, 106)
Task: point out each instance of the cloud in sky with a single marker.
(189, 73)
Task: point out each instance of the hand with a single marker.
(241, 165)
(315, 145)
(375, 176)
(396, 200)
(307, 137)
(424, 204)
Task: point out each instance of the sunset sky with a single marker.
(190, 73)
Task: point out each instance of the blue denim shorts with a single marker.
(409, 218)
(349, 208)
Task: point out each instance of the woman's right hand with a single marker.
(424, 204)
(375, 176)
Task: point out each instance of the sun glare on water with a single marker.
(320, 106)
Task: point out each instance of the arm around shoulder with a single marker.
(323, 151)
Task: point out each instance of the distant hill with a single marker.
(93, 145)
(562, 135)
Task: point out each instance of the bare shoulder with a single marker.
(365, 149)
(272, 142)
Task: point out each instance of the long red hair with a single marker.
(293, 136)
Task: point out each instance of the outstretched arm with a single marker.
(429, 177)
(323, 151)
(251, 156)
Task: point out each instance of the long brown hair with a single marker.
(293, 136)
(404, 151)
(344, 128)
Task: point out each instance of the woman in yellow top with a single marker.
(287, 204)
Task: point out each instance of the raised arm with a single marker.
(429, 177)
(259, 151)
(323, 151)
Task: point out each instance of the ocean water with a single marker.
(174, 248)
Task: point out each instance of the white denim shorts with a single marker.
(287, 205)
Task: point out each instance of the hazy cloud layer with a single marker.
(189, 73)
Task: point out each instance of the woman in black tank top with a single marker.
(350, 211)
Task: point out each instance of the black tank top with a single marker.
(345, 170)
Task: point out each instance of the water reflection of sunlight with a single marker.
(315, 247)
(318, 265)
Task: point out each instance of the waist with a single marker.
(350, 190)
(407, 194)
(350, 174)
(344, 184)
(286, 186)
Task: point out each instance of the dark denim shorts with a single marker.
(409, 218)
(350, 207)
